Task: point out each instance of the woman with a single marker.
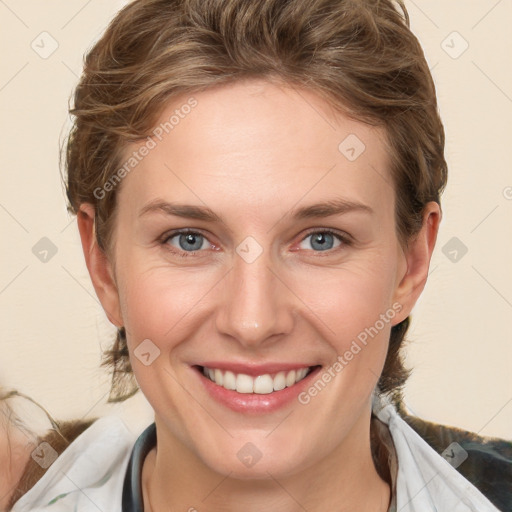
(257, 189)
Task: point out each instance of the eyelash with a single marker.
(343, 238)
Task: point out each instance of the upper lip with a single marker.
(254, 369)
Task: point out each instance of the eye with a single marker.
(323, 240)
(186, 241)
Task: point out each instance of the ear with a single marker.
(100, 268)
(417, 261)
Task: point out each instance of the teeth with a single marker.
(244, 383)
(218, 376)
(290, 378)
(262, 384)
(280, 381)
(229, 380)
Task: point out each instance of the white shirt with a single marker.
(89, 475)
(426, 482)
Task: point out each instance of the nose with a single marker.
(255, 305)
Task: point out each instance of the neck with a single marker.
(173, 478)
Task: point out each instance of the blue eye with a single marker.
(190, 242)
(323, 240)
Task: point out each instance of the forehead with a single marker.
(251, 142)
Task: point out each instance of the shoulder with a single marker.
(85, 461)
(485, 461)
(29, 469)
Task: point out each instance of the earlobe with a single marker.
(417, 259)
(98, 265)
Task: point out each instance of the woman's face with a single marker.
(266, 282)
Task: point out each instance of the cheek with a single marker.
(346, 301)
(158, 300)
(157, 305)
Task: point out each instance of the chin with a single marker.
(260, 471)
(255, 460)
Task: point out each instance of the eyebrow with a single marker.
(319, 210)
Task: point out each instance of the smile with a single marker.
(259, 384)
(249, 388)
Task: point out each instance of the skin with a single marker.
(15, 450)
(254, 152)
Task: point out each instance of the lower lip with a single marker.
(254, 403)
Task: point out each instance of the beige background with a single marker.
(53, 327)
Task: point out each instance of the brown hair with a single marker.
(59, 436)
(359, 55)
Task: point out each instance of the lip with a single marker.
(254, 403)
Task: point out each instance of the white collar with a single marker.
(426, 482)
